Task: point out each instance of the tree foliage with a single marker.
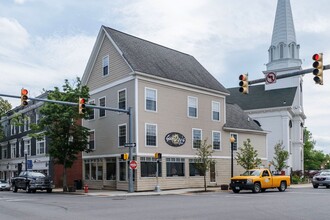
(280, 157)
(313, 159)
(59, 123)
(247, 156)
(5, 106)
(204, 155)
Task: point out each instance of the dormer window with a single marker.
(105, 65)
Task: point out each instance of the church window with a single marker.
(281, 51)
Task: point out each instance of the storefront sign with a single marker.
(175, 139)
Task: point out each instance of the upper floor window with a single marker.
(122, 99)
(197, 138)
(27, 146)
(91, 140)
(216, 111)
(192, 107)
(13, 150)
(216, 137)
(91, 110)
(102, 111)
(122, 135)
(151, 99)
(105, 65)
(151, 135)
(41, 146)
(13, 129)
(27, 122)
(4, 152)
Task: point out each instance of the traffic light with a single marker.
(318, 68)
(244, 84)
(82, 106)
(24, 97)
(124, 156)
(158, 155)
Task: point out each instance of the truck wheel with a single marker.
(256, 188)
(315, 186)
(49, 190)
(236, 190)
(282, 187)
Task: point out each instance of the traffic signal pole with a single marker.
(130, 126)
(297, 73)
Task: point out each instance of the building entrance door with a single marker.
(212, 173)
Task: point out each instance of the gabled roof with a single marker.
(259, 98)
(156, 60)
(237, 118)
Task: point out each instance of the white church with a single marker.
(278, 107)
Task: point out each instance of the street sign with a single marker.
(29, 164)
(271, 78)
(130, 145)
(133, 164)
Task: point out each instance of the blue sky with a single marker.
(44, 42)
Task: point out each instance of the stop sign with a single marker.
(133, 164)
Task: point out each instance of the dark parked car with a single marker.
(321, 179)
(31, 182)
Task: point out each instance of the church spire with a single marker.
(284, 50)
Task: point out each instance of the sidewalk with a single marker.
(116, 193)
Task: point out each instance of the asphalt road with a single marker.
(303, 203)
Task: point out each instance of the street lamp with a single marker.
(232, 140)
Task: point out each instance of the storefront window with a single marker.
(149, 167)
(175, 167)
(111, 169)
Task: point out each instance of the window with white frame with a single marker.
(13, 128)
(27, 146)
(151, 135)
(4, 152)
(216, 139)
(216, 111)
(193, 167)
(91, 140)
(20, 150)
(175, 167)
(105, 65)
(197, 138)
(122, 135)
(13, 150)
(102, 103)
(27, 122)
(149, 167)
(192, 107)
(40, 146)
(93, 169)
(151, 99)
(122, 99)
(111, 168)
(122, 170)
(91, 115)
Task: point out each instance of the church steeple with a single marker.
(284, 50)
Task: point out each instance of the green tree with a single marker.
(204, 161)
(5, 106)
(60, 124)
(280, 157)
(247, 157)
(313, 159)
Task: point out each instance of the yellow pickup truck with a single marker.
(258, 180)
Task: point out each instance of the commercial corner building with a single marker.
(176, 105)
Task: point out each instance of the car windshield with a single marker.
(251, 173)
(325, 174)
(32, 174)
